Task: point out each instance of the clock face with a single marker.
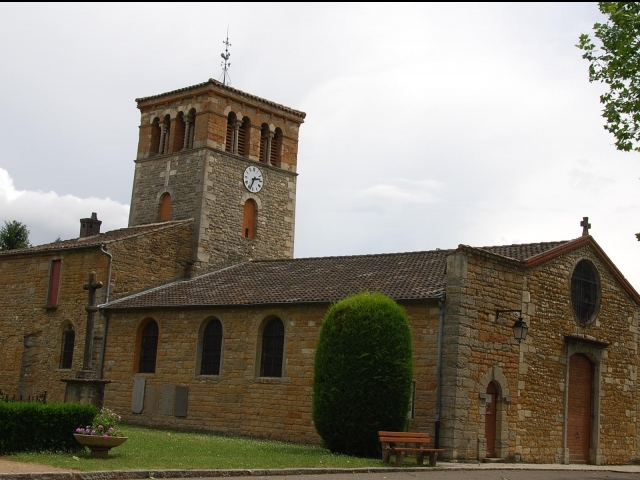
(253, 179)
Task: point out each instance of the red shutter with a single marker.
(54, 283)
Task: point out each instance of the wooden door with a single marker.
(490, 420)
(579, 408)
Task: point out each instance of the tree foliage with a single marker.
(363, 373)
(616, 62)
(14, 235)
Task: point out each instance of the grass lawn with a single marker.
(149, 449)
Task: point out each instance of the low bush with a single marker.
(36, 427)
(363, 373)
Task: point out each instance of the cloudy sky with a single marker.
(428, 126)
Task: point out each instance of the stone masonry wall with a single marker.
(542, 381)
(532, 376)
(206, 185)
(239, 401)
(31, 334)
(475, 342)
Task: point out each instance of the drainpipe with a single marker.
(106, 316)
(441, 300)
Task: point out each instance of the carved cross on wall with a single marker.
(585, 226)
(91, 309)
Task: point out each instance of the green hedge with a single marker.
(31, 426)
(363, 373)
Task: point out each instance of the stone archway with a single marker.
(494, 389)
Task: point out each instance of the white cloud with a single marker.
(49, 215)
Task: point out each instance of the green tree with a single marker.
(616, 62)
(362, 374)
(14, 235)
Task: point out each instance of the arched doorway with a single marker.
(579, 408)
(490, 419)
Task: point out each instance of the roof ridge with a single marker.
(266, 260)
(218, 84)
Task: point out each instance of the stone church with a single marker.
(196, 316)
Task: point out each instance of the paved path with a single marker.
(444, 471)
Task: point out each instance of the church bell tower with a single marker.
(226, 159)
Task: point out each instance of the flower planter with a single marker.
(98, 445)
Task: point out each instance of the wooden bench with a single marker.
(397, 443)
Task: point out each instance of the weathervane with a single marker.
(226, 79)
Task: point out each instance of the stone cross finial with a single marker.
(91, 309)
(585, 226)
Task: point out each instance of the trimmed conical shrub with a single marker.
(363, 373)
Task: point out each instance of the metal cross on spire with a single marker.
(224, 77)
(585, 226)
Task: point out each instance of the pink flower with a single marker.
(79, 430)
(93, 432)
(100, 427)
(105, 436)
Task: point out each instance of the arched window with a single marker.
(68, 342)
(272, 349)
(165, 207)
(179, 135)
(244, 133)
(211, 348)
(229, 142)
(249, 219)
(148, 348)
(155, 136)
(265, 137)
(191, 129)
(276, 148)
(165, 131)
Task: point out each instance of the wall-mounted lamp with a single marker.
(520, 328)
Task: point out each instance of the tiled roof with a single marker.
(96, 240)
(402, 276)
(523, 251)
(240, 93)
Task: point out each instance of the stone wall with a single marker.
(239, 401)
(31, 333)
(206, 185)
(532, 399)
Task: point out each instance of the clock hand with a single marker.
(251, 184)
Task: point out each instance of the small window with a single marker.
(68, 342)
(155, 136)
(249, 219)
(272, 349)
(211, 348)
(165, 207)
(54, 283)
(585, 291)
(244, 133)
(165, 133)
(276, 148)
(229, 142)
(180, 133)
(148, 348)
(265, 139)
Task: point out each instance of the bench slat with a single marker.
(420, 448)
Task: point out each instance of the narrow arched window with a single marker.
(148, 348)
(155, 136)
(229, 141)
(68, 342)
(165, 207)
(264, 142)
(211, 348)
(179, 134)
(191, 129)
(244, 133)
(276, 148)
(165, 132)
(249, 219)
(272, 349)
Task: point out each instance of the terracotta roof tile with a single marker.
(215, 83)
(96, 240)
(402, 276)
